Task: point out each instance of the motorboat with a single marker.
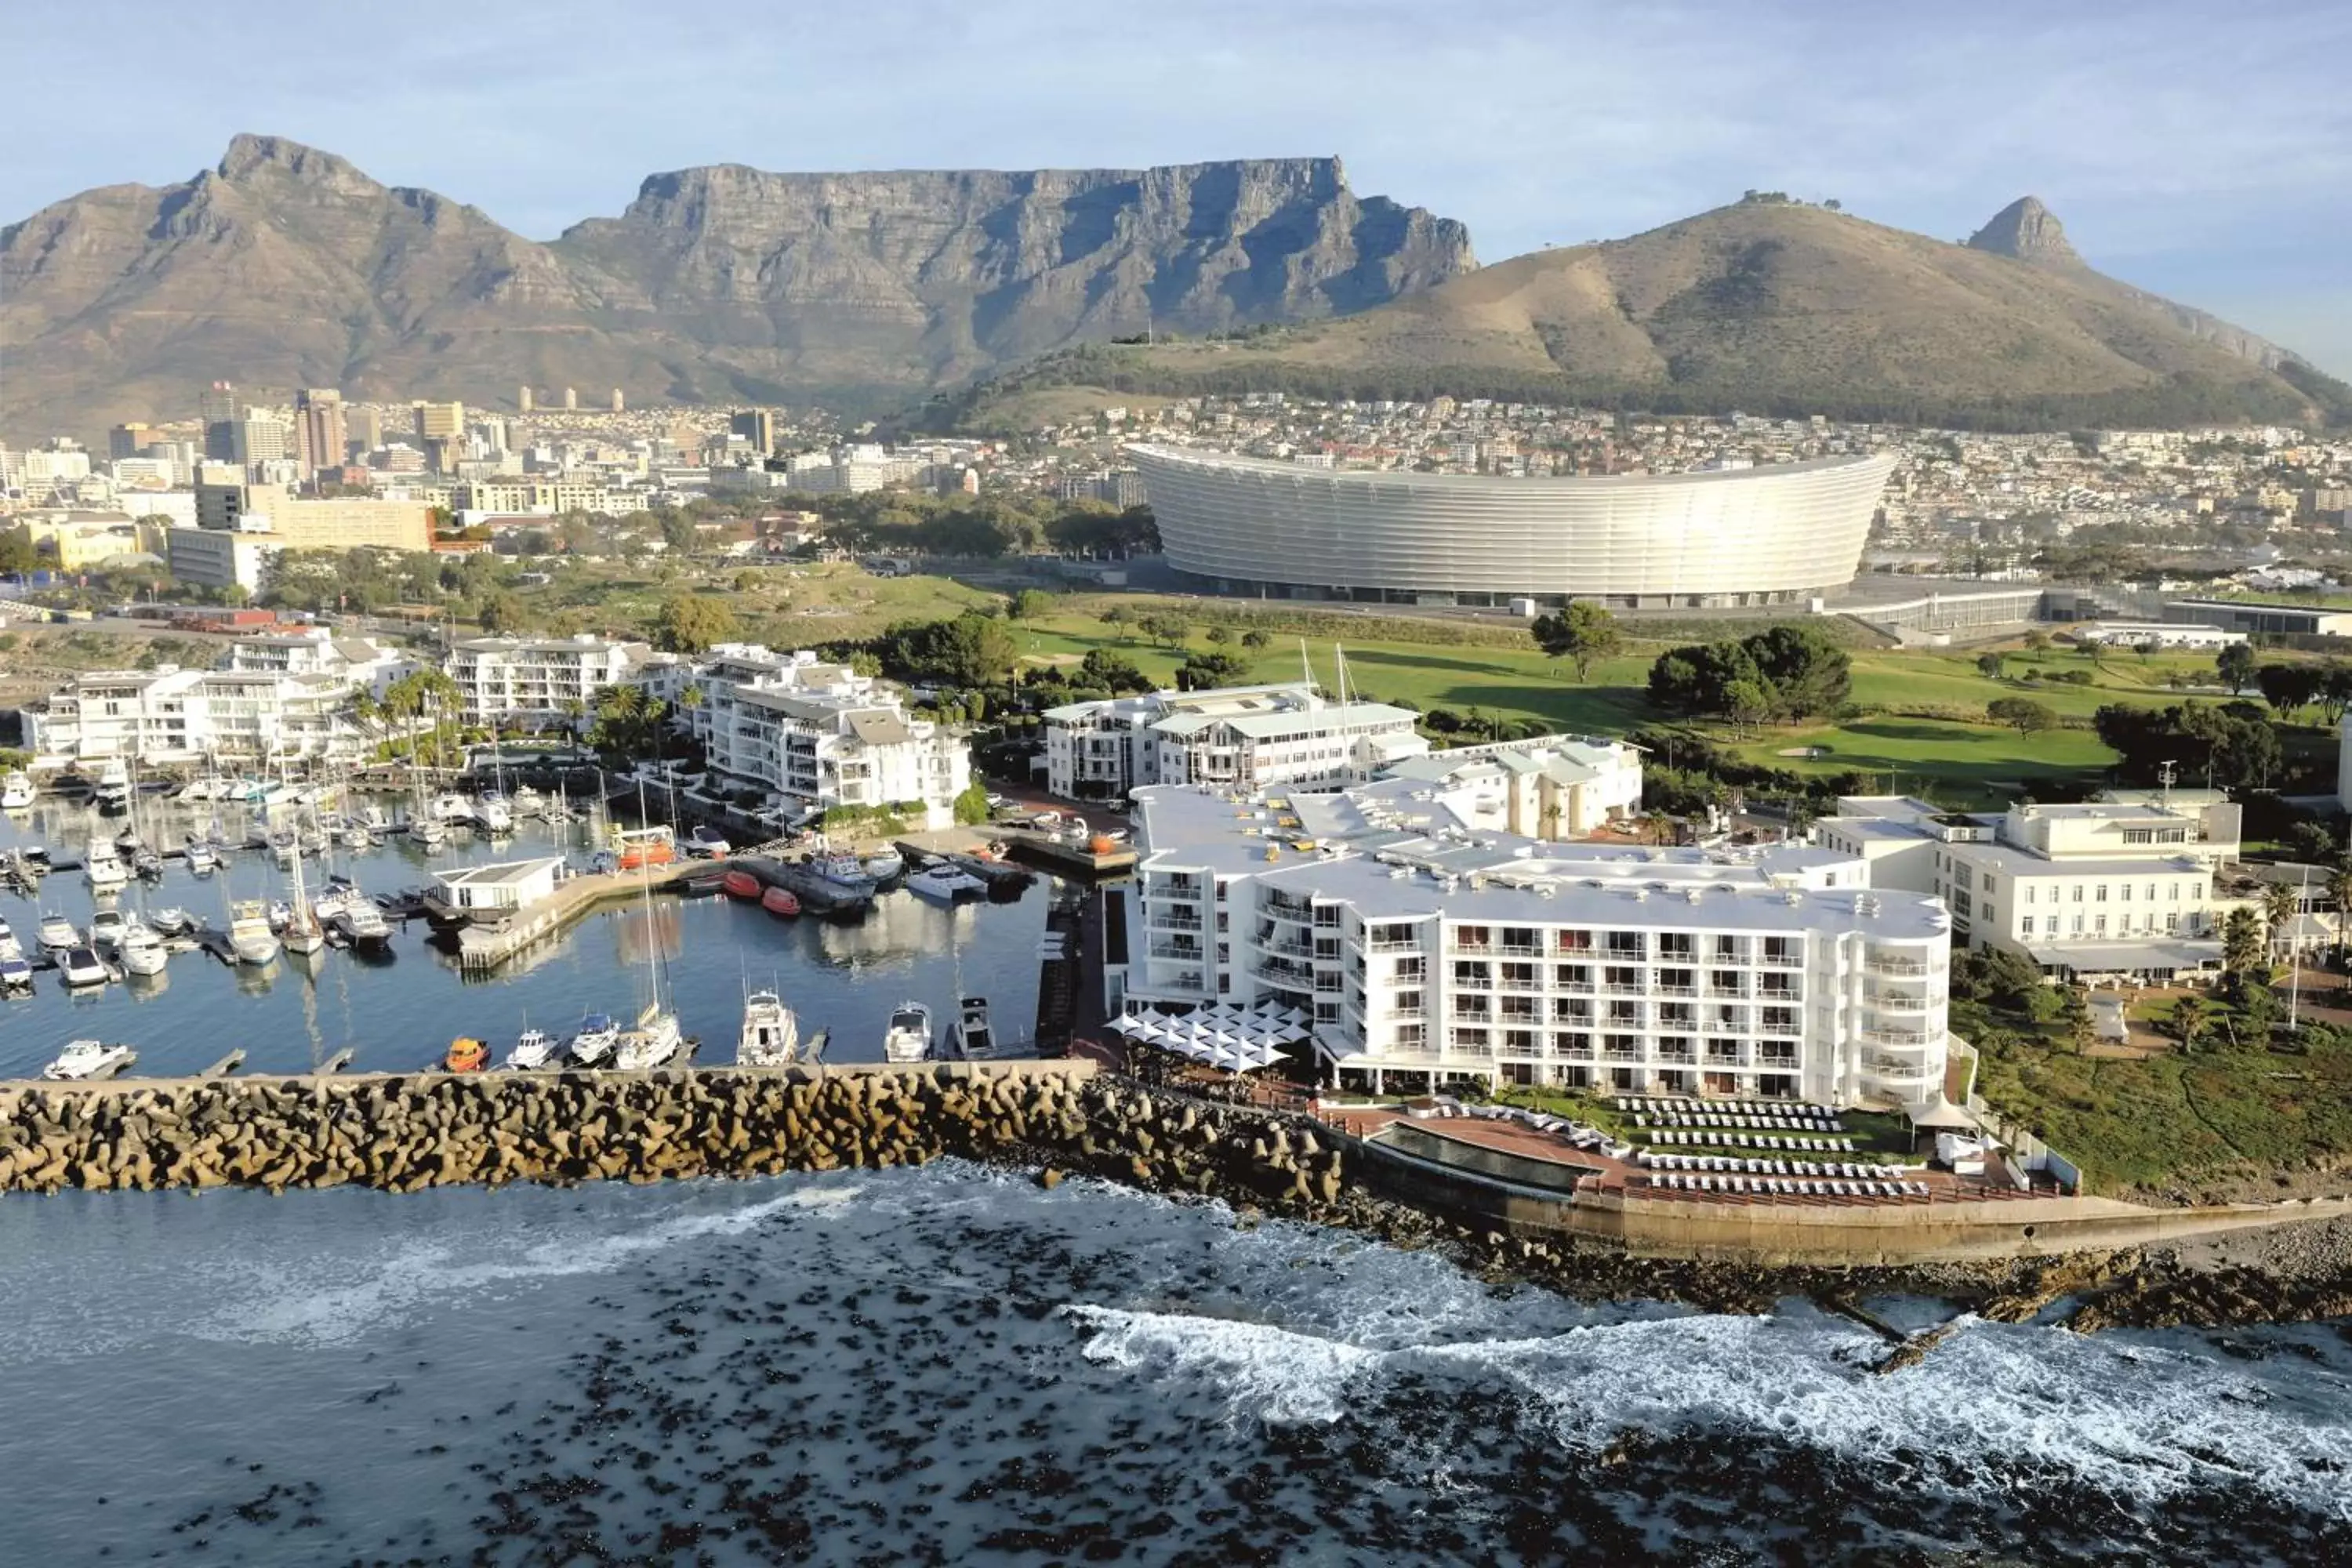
(971, 1037)
(525, 800)
(638, 848)
(841, 876)
(81, 966)
(909, 1037)
(209, 787)
(281, 914)
(107, 928)
(355, 836)
(9, 946)
(202, 857)
(888, 866)
(466, 1055)
(112, 794)
(312, 840)
(428, 830)
(15, 790)
(707, 841)
(249, 935)
(102, 871)
(492, 816)
(128, 842)
(946, 883)
(770, 1037)
(56, 933)
(657, 1041)
(364, 924)
(336, 901)
(374, 821)
(741, 884)
(88, 1059)
(451, 808)
(591, 1044)
(780, 901)
(142, 952)
(170, 920)
(533, 1049)
(148, 866)
(16, 975)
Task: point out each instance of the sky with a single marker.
(2202, 152)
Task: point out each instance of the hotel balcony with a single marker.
(1878, 964)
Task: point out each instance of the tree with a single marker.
(500, 611)
(2236, 667)
(2243, 944)
(2188, 1020)
(1988, 665)
(1112, 672)
(1747, 703)
(1581, 634)
(2281, 903)
(1256, 640)
(1030, 604)
(1116, 619)
(693, 623)
(1207, 671)
(971, 804)
(2037, 640)
(2340, 893)
(1218, 636)
(2074, 1017)
(2021, 714)
(2289, 688)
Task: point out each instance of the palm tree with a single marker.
(2188, 1021)
(2340, 893)
(2281, 902)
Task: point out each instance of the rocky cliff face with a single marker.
(2026, 230)
(285, 266)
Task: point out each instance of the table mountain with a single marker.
(1767, 306)
(285, 266)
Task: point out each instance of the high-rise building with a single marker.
(436, 421)
(522, 400)
(618, 407)
(261, 438)
(756, 425)
(128, 441)
(217, 409)
(367, 427)
(320, 435)
(571, 398)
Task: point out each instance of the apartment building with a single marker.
(2120, 888)
(547, 498)
(1552, 786)
(172, 716)
(1245, 737)
(1428, 951)
(357, 663)
(537, 681)
(813, 734)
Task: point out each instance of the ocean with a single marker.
(953, 1365)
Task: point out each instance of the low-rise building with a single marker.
(1550, 786)
(813, 734)
(357, 662)
(538, 680)
(170, 716)
(219, 558)
(1427, 950)
(1245, 737)
(504, 886)
(2156, 634)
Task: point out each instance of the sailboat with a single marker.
(302, 933)
(656, 1040)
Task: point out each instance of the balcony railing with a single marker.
(1896, 965)
(1895, 1001)
(1782, 960)
(1899, 1039)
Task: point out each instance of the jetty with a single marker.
(484, 944)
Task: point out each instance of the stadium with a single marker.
(1766, 535)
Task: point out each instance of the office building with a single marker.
(1248, 737)
(1777, 534)
(756, 425)
(1429, 953)
(522, 400)
(261, 439)
(366, 426)
(216, 407)
(218, 558)
(130, 441)
(320, 429)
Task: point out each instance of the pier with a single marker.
(483, 945)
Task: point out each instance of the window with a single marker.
(2030, 893)
(1573, 1008)
(1407, 1002)
(2171, 923)
(1413, 1036)
(1573, 977)
(2099, 925)
(1411, 969)
(2103, 892)
(2078, 892)
(1472, 974)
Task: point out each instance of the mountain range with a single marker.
(1768, 305)
(284, 265)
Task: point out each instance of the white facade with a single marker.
(1248, 737)
(2119, 887)
(1427, 953)
(2156, 634)
(815, 736)
(535, 680)
(508, 885)
(175, 716)
(1552, 786)
(355, 662)
(217, 558)
(1768, 535)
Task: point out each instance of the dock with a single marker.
(337, 1062)
(485, 944)
(225, 1066)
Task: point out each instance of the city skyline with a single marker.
(2210, 166)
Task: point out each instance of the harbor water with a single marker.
(399, 1012)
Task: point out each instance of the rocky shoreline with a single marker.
(406, 1133)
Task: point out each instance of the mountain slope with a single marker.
(1769, 306)
(284, 265)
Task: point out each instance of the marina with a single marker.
(387, 991)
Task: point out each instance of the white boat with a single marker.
(886, 866)
(971, 1037)
(128, 842)
(89, 1059)
(142, 952)
(202, 856)
(770, 1037)
(212, 786)
(492, 817)
(113, 792)
(356, 836)
(16, 975)
(451, 808)
(374, 822)
(302, 933)
(947, 884)
(102, 871)
(526, 800)
(15, 790)
(428, 830)
(169, 920)
(909, 1037)
(364, 924)
(107, 927)
(81, 966)
(9, 946)
(657, 1041)
(249, 936)
(533, 1049)
(591, 1044)
(56, 933)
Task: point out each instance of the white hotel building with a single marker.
(535, 680)
(1429, 953)
(172, 716)
(1245, 737)
(815, 736)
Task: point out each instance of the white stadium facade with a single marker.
(1768, 535)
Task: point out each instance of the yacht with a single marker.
(594, 1041)
(147, 864)
(107, 928)
(58, 933)
(202, 857)
(707, 841)
(89, 1059)
(770, 1037)
(526, 800)
(9, 946)
(170, 920)
(374, 822)
(81, 966)
(888, 866)
(249, 936)
(15, 790)
(102, 871)
(142, 952)
(656, 1042)
(210, 788)
(946, 883)
(364, 924)
(16, 975)
(909, 1037)
(970, 1037)
(492, 816)
(533, 1049)
(451, 808)
(128, 842)
(113, 792)
(428, 830)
